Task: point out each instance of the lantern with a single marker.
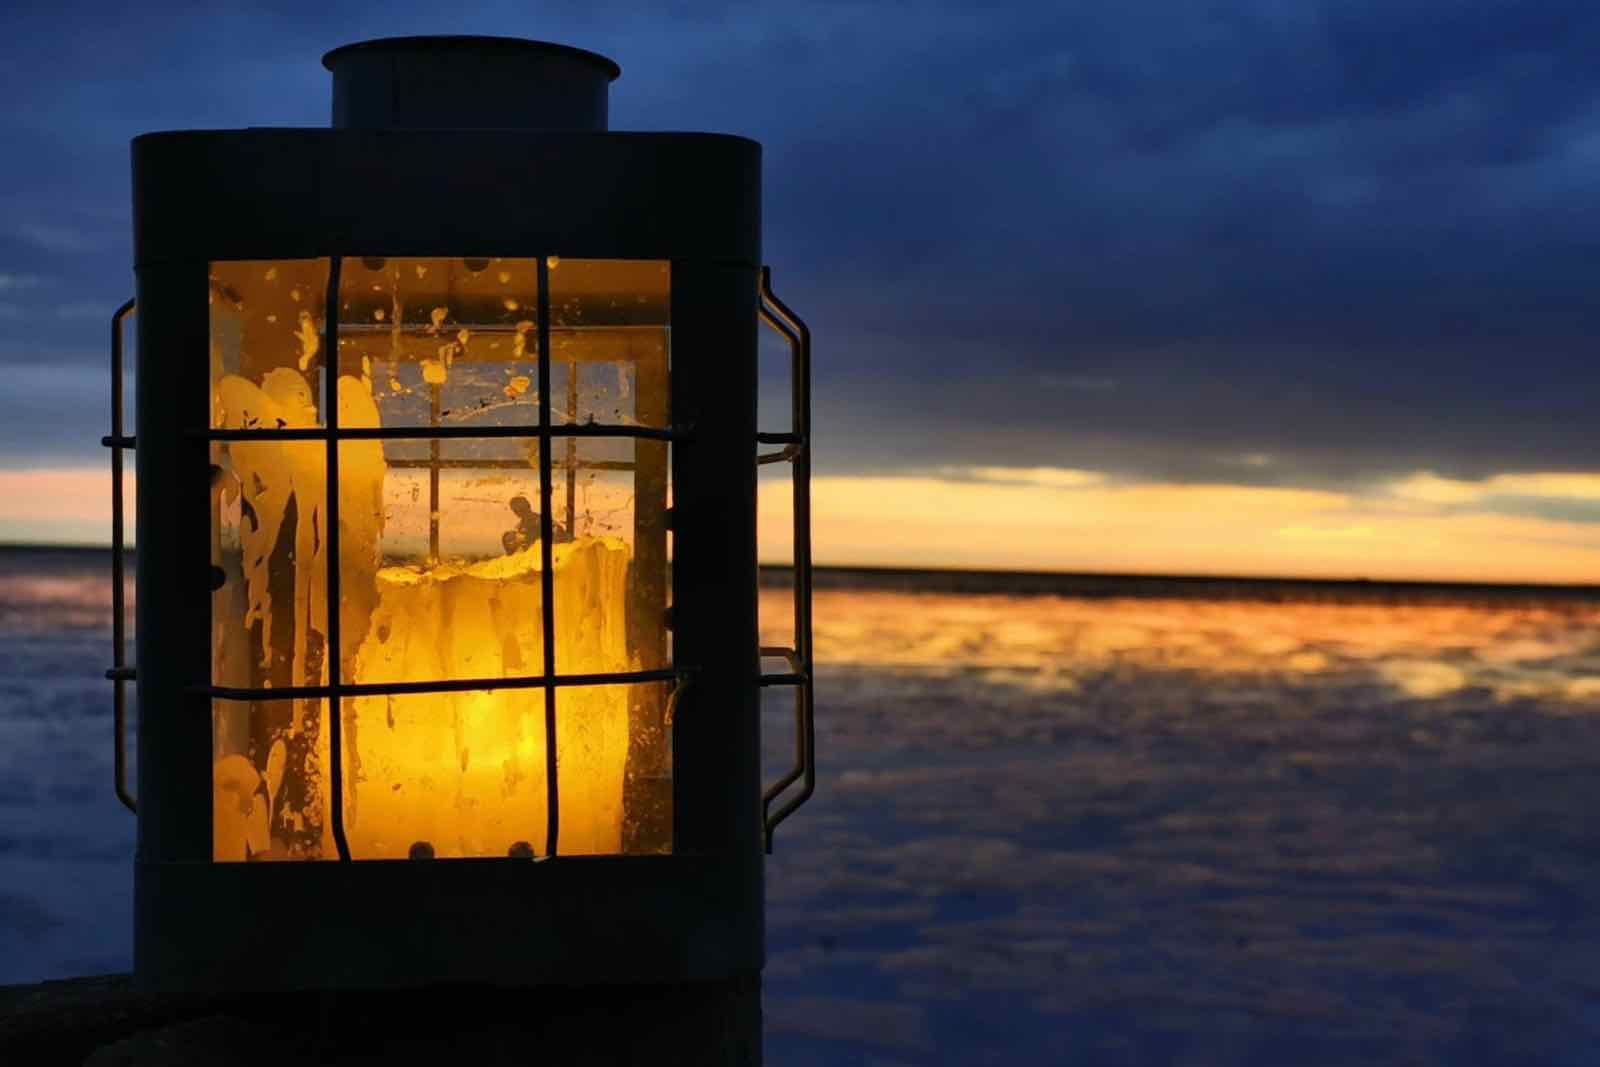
(446, 446)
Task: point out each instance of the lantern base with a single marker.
(106, 1020)
(568, 921)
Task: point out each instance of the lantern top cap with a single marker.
(473, 43)
(468, 83)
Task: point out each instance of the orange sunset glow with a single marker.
(1054, 519)
(1419, 526)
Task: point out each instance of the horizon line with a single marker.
(1187, 577)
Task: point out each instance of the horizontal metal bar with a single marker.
(406, 463)
(779, 439)
(787, 654)
(119, 441)
(458, 685)
(787, 454)
(121, 674)
(385, 329)
(422, 433)
(796, 678)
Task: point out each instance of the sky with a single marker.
(1249, 287)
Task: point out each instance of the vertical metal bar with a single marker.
(800, 483)
(119, 662)
(547, 585)
(433, 479)
(334, 711)
(795, 659)
(572, 447)
(805, 698)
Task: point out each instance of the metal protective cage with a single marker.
(796, 451)
(690, 200)
(336, 689)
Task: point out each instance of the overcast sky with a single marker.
(1329, 246)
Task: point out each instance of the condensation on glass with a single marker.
(440, 556)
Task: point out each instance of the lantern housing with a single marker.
(448, 665)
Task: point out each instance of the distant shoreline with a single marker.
(1100, 586)
(1081, 585)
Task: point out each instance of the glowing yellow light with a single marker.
(466, 771)
(451, 774)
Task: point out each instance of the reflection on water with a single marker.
(1057, 644)
(1110, 831)
(1135, 830)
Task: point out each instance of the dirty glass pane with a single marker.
(611, 577)
(269, 607)
(266, 342)
(447, 774)
(269, 783)
(442, 341)
(269, 630)
(610, 339)
(441, 563)
(613, 744)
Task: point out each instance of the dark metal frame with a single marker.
(120, 673)
(690, 199)
(796, 451)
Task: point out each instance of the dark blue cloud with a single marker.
(1356, 237)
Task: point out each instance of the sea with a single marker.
(1060, 819)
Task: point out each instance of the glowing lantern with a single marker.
(447, 537)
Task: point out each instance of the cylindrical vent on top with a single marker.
(468, 83)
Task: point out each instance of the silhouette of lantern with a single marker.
(446, 524)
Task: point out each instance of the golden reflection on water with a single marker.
(1420, 650)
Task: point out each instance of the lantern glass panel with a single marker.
(615, 489)
(269, 604)
(269, 612)
(442, 341)
(610, 334)
(440, 562)
(454, 775)
(269, 788)
(267, 320)
(442, 574)
(621, 729)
